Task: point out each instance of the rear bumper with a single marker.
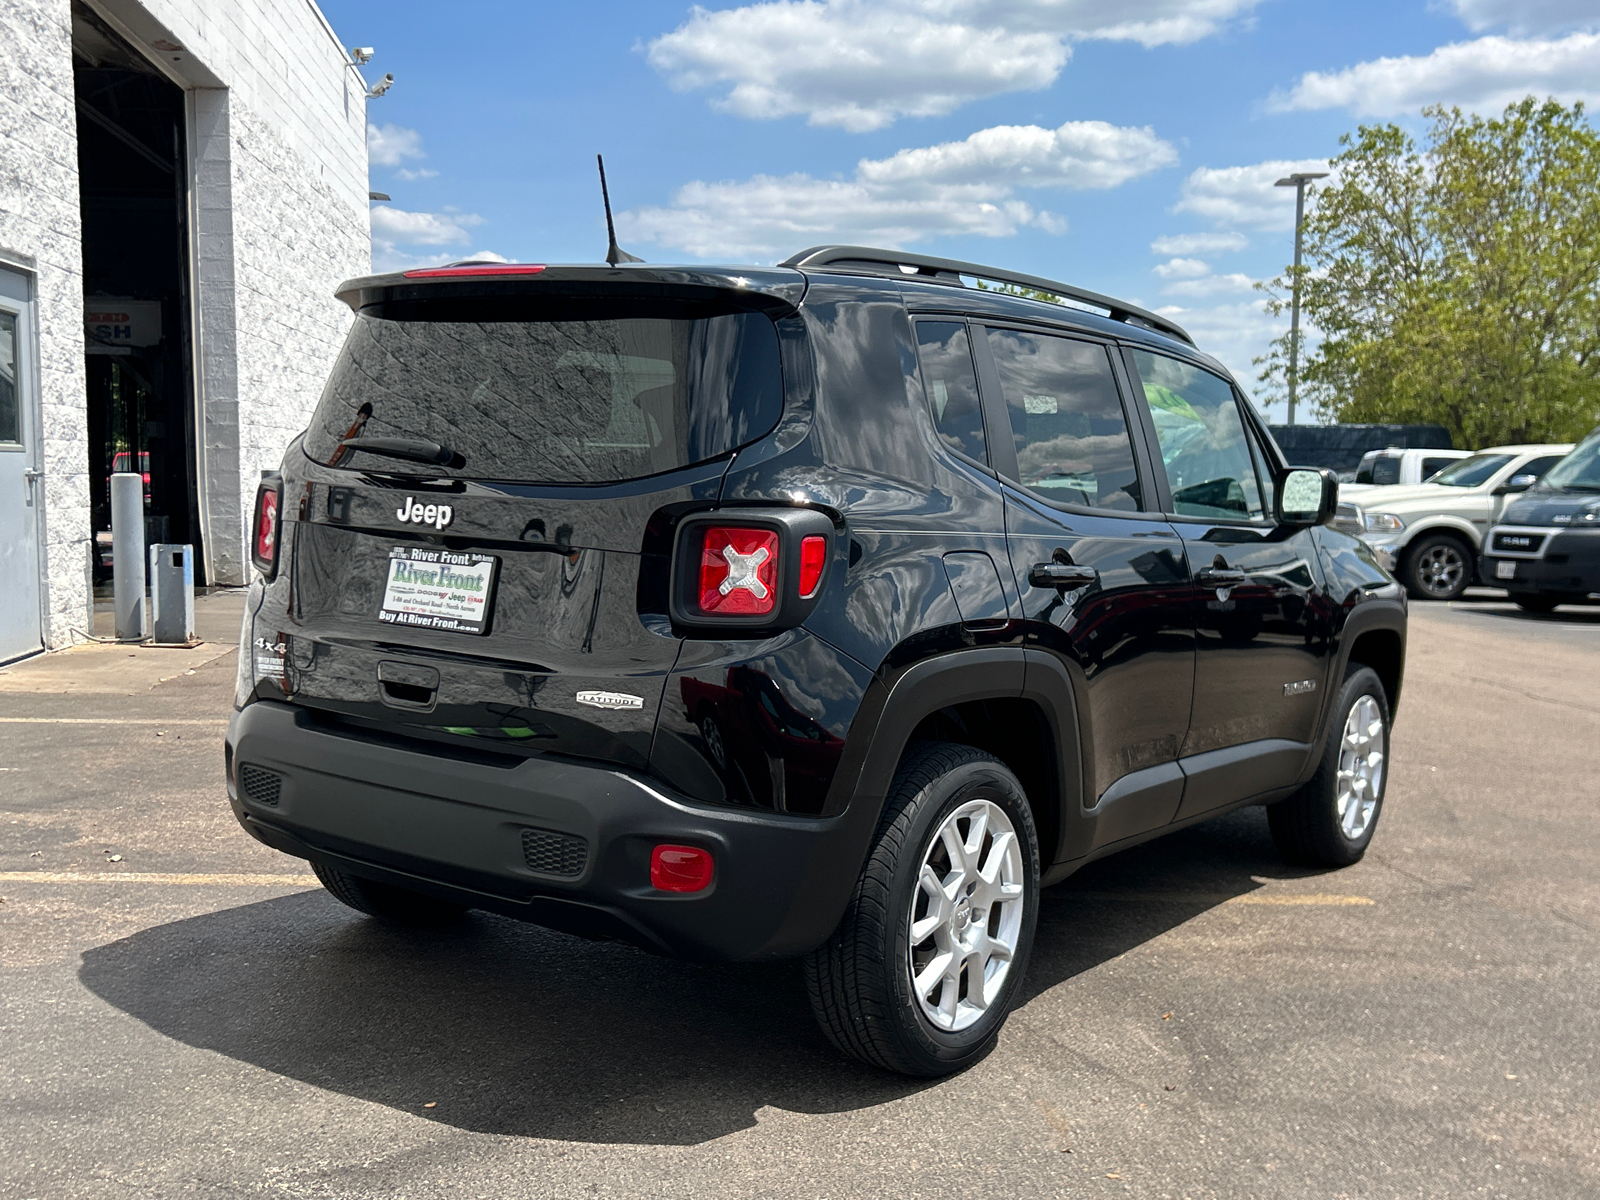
(453, 826)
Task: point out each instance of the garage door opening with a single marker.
(132, 167)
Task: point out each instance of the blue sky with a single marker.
(1128, 147)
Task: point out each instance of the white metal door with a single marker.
(21, 484)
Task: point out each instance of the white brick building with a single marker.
(182, 184)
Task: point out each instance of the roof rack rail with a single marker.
(867, 260)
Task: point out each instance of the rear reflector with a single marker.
(680, 869)
(813, 557)
(738, 571)
(476, 269)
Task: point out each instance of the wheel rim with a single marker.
(1360, 767)
(1440, 570)
(966, 915)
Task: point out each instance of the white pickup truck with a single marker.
(1431, 534)
(1383, 468)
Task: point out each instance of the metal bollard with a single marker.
(127, 554)
(172, 595)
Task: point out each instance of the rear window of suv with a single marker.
(544, 400)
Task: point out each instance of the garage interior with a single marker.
(133, 174)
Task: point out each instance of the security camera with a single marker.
(362, 54)
(379, 88)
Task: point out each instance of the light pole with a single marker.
(1298, 182)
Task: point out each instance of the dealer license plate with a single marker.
(1505, 569)
(438, 589)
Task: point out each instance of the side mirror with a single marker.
(1307, 496)
(1517, 483)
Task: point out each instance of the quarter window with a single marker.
(1202, 439)
(1067, 419)
(952, 385)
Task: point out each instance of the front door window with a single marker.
(1202, 439)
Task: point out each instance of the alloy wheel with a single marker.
(1360, 766)
(966, 915)
(1440, 570)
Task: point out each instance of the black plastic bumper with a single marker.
(452, 826)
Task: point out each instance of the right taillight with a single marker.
(264, 528)
(761, 568)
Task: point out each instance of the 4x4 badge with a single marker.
(437, 515)
(610, 700)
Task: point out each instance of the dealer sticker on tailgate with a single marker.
(438, 589)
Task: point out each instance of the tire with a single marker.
(1311, 826)
(1535, 603)
(394, 905)
(861, 980)
(1438, 567)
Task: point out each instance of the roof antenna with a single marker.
(614, 253)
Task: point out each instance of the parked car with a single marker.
(1430, 534)
(1546, 549)
(828, 610)
(1383, 468)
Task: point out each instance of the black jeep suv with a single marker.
(828, 610)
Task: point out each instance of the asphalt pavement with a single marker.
(183, 1013)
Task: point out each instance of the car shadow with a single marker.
(510, 1029)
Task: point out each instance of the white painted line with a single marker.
(211, 880)
(1284, 899)
(112, 721)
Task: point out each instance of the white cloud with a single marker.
(862, 64)
(1183, 268)
(1078, 155)
(1209, 285)
(390, 145)
(1199, 243)
(1526, 16)
(412, 176)
(422, 228)
(961, 188)
(1483, 75)
(386, 256)
(1245, 195)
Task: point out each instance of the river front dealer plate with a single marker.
(438, 589)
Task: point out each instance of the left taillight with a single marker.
(264, 528)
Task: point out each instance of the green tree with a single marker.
(1458, 282)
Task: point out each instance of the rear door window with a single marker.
(952, 384)
(1066, 419)
(550, 401)
(1202, 439)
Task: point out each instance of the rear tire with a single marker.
(969, 891)
(394, 905)
(1438, 567)
(1330, 821)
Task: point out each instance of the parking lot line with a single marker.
(214, 880)
(1290, 899)
(113, 721)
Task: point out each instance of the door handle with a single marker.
(1219, 577)
(1061, 575)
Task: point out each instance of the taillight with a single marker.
(761, 568)
(264, 530)
(475, 269)
(813, 558)
(738, 571)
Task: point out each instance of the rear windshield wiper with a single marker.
(418, 450)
